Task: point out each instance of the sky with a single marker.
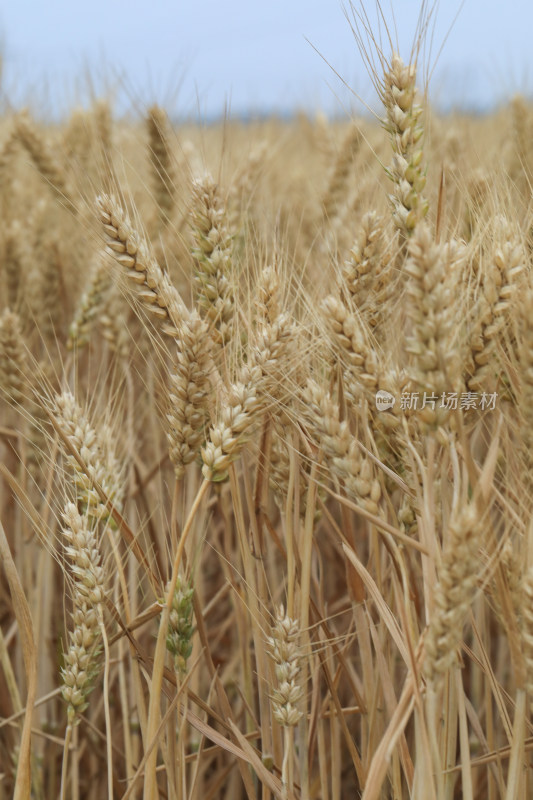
(207, 57)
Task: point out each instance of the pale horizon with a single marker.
(249, 58)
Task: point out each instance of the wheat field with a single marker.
(266, 471)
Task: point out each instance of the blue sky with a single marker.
(201, 56)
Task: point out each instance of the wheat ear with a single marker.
(436, 362)
(131, 251)
(7, 159)
(243, 185)
(500, 280)
(76, 140)
(283, 648)
(189, 391)
(213, 253)
(100, 464)
(15, 262)
(13, 361)
(81, 663)
(521, 165)
(342, 450)
(103, 135)
(45, 160)
(351, 341)
(90, 304)
(404, 125)
(287, 696)
(335, 197)
(264, 380)
(454, 593)
(230, 433)
(361, 270)
(180, 625)
(161, 162)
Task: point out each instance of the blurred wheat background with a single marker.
(266, 435)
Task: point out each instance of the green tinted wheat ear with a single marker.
(100, 465)
(180, 626)
(404, 125)
(13, 381)
(145, 277)
(14, 262)
(90, 304)
(45, 160)
(26, 272)
(161, 161)
(8, 152)
(454, 593)
(213, 253)
(45, 286)
(189, 392)
(81, 660)
(501, 276)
